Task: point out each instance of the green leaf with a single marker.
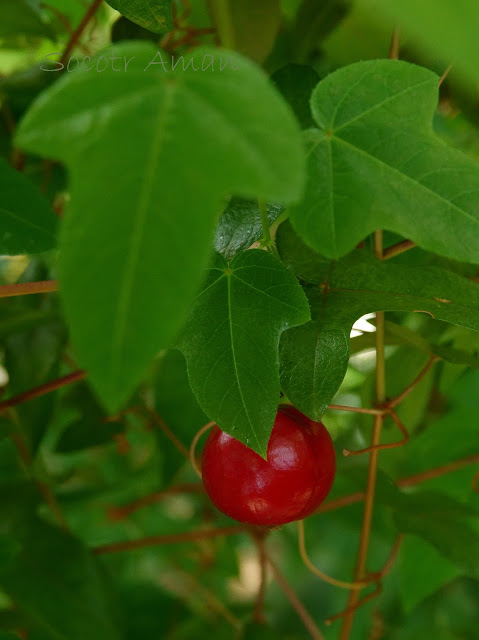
(27, 223)
(231, 342)
(148, 235)
(375, 162)
(440, 521)
(66, 595)
(154, 15)
(175, 402)
(296, 83)
(435, 571)
(447, 31)
(240, 225)
(314, 357)
(90, 428)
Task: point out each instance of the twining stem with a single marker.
(373, 456)
(24, 453)
(400, 397)
(408, 481)
(258, 614)
(153, 541)
(25, 288)
(119, 513)
(298, 606)
(76, 35)
(42, 389)
(398, 248)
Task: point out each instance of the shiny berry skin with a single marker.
(290, 485)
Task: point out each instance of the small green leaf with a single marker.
(154, 15)
(375, 162)
(231, 342)
(148, 236)
(240, 225)
(314, 357)
(27, 223)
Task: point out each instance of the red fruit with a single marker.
(290, 485)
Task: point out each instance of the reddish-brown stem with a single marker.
(25, 288)
(258, 614)
(158, 420)
(153, 541)
(390, 445)
(399, 398)
(298, 606)
(24, 454)
(398, 248)
(42, 389)
(372, 412)
(408, 481)
(378, 576)
(76, 35)
(444, 75)
(119, 513)
(475, 480)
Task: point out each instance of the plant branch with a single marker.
(26, 288)
(174, 538)
(120, 513)
(22, 448)
(76, 35)
(408, 481)
(397, 249)
(400, 397)
(42, 389)
(298, 606)
(375, 440)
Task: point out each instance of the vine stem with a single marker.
(298, 606)
(26, 288)
(374, 453)
(153, 541)
(24, 453)
(398, 248)
(76, 35)
(42, 389)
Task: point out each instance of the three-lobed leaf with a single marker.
(374, 162)
(314, 357)
(231, 342)
(152, 153)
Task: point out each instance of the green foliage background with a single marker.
(210, 231)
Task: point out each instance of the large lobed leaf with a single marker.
(374, 162)
(314, 357)
(152, 154)
(231, 342)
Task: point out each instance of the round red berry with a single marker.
(293, 481)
